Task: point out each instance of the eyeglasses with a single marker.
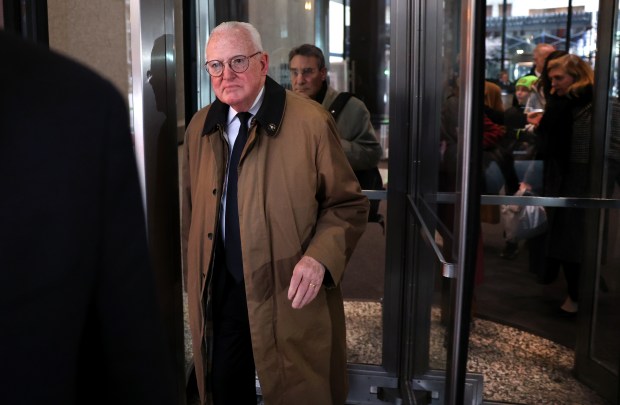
(238, 64)
(304, 72)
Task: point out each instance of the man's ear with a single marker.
(264, 60)
(323, 73)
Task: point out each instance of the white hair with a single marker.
(228, 26)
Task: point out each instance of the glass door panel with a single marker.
(442, 217)
(444, 233)
(527, 281)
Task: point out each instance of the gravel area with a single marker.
(518, 367)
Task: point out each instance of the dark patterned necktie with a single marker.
(232, 244)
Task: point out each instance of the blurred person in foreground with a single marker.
(266, 243)
(504, 83)
(79, 322)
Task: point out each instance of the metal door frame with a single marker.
(454, 385)
(587, 368)
(155, 144)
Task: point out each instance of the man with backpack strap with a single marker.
(357, 135)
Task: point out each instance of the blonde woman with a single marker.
(564, 137)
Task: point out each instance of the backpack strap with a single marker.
(338, 104)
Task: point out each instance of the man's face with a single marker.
(239, 90)
(306, 77)
(539, 57)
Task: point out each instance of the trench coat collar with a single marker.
(269, 115)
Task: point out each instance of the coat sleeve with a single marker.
(492, 133)
(343, 209)
(186, 204)
(357, 136)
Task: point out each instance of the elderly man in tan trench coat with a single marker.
(301, 213)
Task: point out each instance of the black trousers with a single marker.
(233, 372)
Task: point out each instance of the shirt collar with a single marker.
(269, 115)
(232, 113)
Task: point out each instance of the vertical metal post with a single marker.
(468, 227)
(191, 58)
(569, 23)
(503, 58)
(27, 18)
(321, 37)
(153, 102)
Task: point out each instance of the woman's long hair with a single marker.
(493, 105)
(493, 96)
(578, 69)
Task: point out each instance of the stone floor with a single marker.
(518, 367)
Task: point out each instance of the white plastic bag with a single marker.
(523, 222)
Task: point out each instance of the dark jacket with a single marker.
(514, 119)
(564, 140)
(78, 316)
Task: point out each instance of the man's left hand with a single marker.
(306, 281)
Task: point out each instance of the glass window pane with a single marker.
(528, 24)
(531, 282)
(336, 28)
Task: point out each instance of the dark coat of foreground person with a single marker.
(79, 322)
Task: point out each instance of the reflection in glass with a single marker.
(447, 171)
(606, 334)
(528, 24)
(534, 283)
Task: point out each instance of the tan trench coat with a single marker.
(297, 195)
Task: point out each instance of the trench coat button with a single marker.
(210, 236)
(214, 191)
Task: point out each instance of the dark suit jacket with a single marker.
(79, 321)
